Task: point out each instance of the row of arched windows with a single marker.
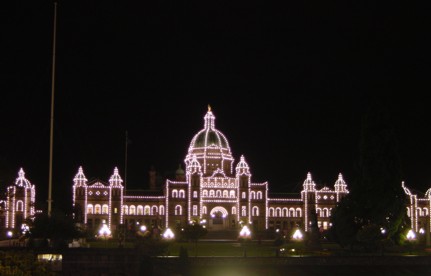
(143, 210)
(324, 212)
(97, 209)
(284, 212)
(421, 212)
(218, 193)
(178, 194)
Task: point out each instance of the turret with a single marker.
(340, 187)
(116, 198)
(80, 196)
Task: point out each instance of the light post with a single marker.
(411, 237)
(104, 231)
(245, 235)
(9, 235)
(297, 238)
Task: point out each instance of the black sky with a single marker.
(288, 85)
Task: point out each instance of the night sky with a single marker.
(288, 86)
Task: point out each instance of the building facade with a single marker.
(213, 189)
(19, 204)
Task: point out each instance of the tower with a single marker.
(308, 195)
(115, 199)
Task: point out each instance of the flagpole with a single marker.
(51, 134)
(125, 161)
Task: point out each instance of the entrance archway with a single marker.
(218, 216)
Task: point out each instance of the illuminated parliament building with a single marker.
(213, 189)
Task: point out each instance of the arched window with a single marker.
(174, 193)
(292, 212)
(205, 193)
(271, 212)
(132, 210)
(278, 212)
(195, 210)
(154, 210)
(147, 210)
(298, 212)
(105, 209)
(259, 195)
(255, 211)
(140, 210)
(284, 212)
(243, 211)
(178, 210)
(204, 210)
(243, 195)
(182, 194)
(325, 212)
(232, 193)
(125, 210)
(426, 211)
(319, 212)
(211, 193)
(408, 211)
(19, 206)
(162, 209)
(225, 193)
(252, 195)
(195, 194)
(97, 209)
(233, 210)
(218, 193)
(90, 209)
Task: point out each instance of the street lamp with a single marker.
(168, 234)
(104, 231)
(297, 235)
(9, 235)
(244, 235)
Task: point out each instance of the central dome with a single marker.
(211, 148)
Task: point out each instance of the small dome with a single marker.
(179, 171)
(115, 179)
(21, 181)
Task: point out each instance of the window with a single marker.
(205, 193)
(284, 212)
(132, 210)
(243, 195)
(225, 193)
(154, 210)
(140, 210)
(195, 194)
(252, 195)
(218, 193)
(278, 212)
(211, 193)
(243, 211)
(233, 210)
(90, 209)
(259, 195)
(115, 210)
(178, 210)
(195, 210)
(147, 210)
(105, 209)
(174, 193)
(182, 194)
(292, 212)
(97, 209)
(298, 212)
(255, 211)
(271, 212)
(19, 206)
(232, 193)
(204, 210)
(125, 210)
(162, 209)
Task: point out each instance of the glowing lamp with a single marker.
(297, 235)
(168, 234)
(245, 232)
(411, 235)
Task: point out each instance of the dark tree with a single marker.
(376, 199)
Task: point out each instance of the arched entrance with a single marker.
(218, 218)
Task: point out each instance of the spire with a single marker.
(242, 167)
(115, 179)
(79, 178)
(209, 119)
(309, 184)
(194, 166)
(340, 185)
(21, 181)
